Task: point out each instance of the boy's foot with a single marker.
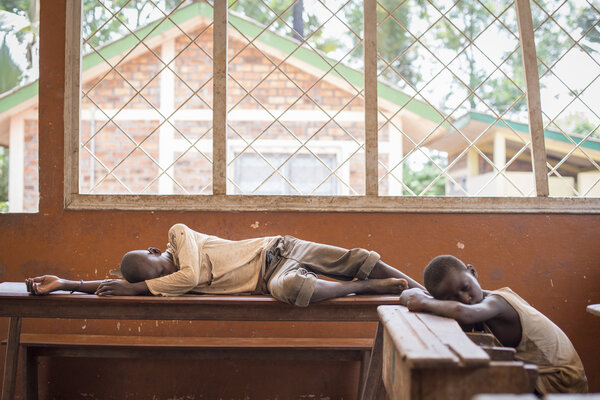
(386, 286)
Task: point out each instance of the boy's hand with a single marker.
(45, 284)
(413, 299)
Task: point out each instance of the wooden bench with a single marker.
(17, 304)
(34, 346)
(429, 357)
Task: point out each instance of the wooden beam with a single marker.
(370, 85)
(72, 99)
(401, 204)
(373, 388)
(220, 97)
(534, 104)
(11, 360)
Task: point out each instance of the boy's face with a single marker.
(459, 286)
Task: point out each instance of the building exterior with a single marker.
(501, 145)
(295, 124)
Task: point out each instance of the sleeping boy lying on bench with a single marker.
(284, 267)
(457, 294)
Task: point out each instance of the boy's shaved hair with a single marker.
(132, 267)
(438, 268)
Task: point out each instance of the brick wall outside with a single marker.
(116, 155)
(193, 69)
(106, 173)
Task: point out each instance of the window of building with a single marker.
(216, 105)
(302, 174)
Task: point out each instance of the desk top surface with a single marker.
(427, 340)
(16, 301)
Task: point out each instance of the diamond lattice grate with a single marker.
(141, 93)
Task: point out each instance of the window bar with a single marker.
(370, 62)
(220, 97)
(534, 105)
(72, 99)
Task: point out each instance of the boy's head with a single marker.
(141, 265)
(448, 278)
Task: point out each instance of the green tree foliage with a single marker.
(20, 7)
(496, 77)
(579, 124)
(394, 43)
(587, 22)
(114, 19)
(400, 22)
(420, 175)
(27, 35)
(10, 72)
(279, 15)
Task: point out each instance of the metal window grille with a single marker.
(569, 68)
(421, 99)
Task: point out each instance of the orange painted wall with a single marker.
(551, 260)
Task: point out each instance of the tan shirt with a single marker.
(209, 264)
(546, 345)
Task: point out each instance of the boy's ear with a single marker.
(154, 250)
(472, 270)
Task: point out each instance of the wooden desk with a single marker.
(427, 357)
(594, 309)
(16, 304)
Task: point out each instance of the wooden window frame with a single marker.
(370, 202)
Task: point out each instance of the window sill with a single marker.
(406, 204)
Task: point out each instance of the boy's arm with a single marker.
(45, 284)
(489, 307)
(120, 287)
(185, 248)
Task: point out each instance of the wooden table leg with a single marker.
(364, 371)
(373, 387)
(29, 375)
(12, 358)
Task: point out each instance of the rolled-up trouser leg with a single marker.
(294, 278)
(292, 284)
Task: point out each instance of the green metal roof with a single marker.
(592, 144)
(18, 95)
(248, 28)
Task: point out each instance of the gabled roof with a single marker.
(18, 95)
(483, 121)
(248, 27)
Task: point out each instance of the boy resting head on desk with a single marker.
(284, 267)
(457, 294)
